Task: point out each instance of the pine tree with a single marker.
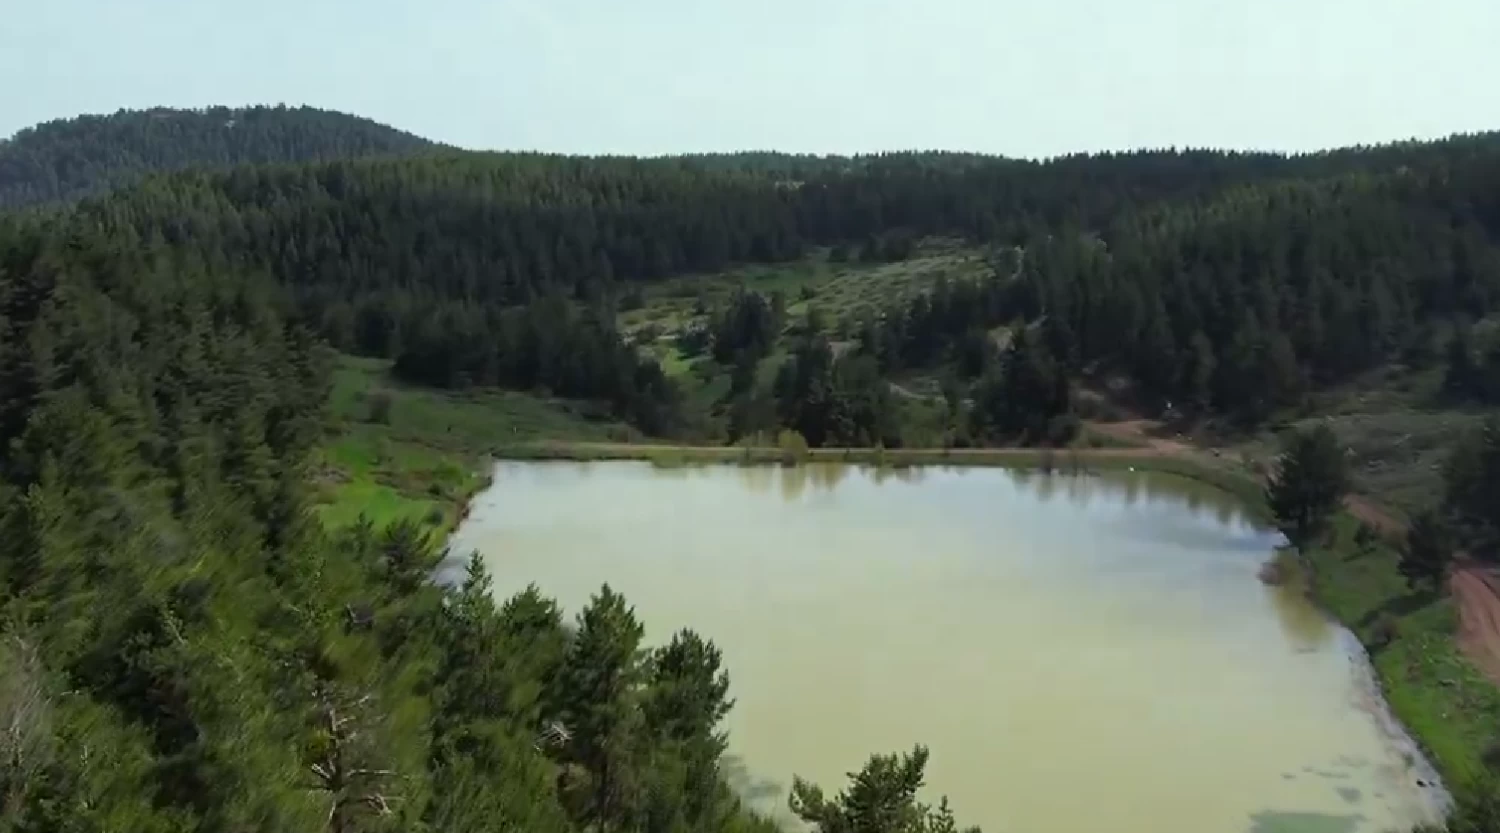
(1198, 376)
(687, 691)
(1428, 551)
(598, 690)
(1473, 489)
(881, 799)
(1462, 378)
(1309, 484)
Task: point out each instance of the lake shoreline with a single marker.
(721, 463)
(1413, 703)
(1059, 460)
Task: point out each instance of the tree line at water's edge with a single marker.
(183, 648)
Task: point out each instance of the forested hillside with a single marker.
(1228, 283)
(68, 158)
(182, 648)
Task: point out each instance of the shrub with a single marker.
(1287, 568)
(693, 340)
(792, 445)
(379, 403)
(1491, 755)
(619, 434)
(1384, 631)
(1061, 429)
(647, 335)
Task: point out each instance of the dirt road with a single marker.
(1371, 513)
(1476, 589)
(1142, 432)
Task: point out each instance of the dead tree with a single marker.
(553, 735)
(343, 763)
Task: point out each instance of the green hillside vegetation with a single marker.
(844, 291)
(1224, 285)
(1396, 427)
(825, 293)
(71, 158)
(397, 452)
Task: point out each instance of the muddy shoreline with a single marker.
(1370, 698)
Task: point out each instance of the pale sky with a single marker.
(1018, 77)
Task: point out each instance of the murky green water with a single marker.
(1079, 654)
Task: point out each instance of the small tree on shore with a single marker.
(1311, 479)
(1428, 551)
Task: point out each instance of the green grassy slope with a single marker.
(427, 458)
(845, 291)
(845, 294)
(1398, 431)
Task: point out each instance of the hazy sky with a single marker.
(1020, 77)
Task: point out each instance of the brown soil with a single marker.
(1372, 514)
(1476, 589)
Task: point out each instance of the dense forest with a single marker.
(1209, 279)
(1227, 283)
(70, 158)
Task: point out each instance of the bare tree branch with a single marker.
(25, 712)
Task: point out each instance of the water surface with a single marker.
(1079, 653)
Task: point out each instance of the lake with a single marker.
(1078, 652)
